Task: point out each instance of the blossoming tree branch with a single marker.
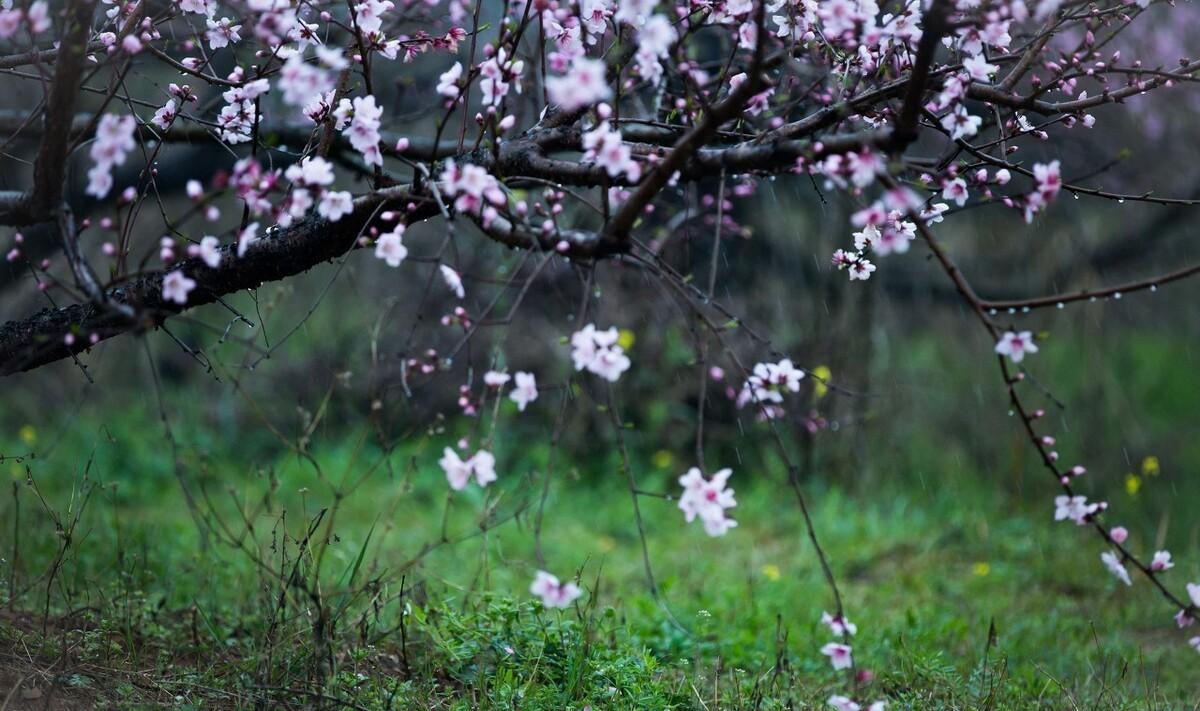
(566, 131)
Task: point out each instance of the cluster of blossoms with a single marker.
(583, 85)
(240, 113)
(1077, 509)
(37, 16)
(604, 147)
(599, 352)
(474, 190)
(524, 387)
(481, 465)
(883, 226)
(113, 143)
(767, 385)
(313, 176)
(707, 499)
(360, 120)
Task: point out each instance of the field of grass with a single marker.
(963, 600)
(329, 573)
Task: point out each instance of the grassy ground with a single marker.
(962, 597)
(329, 574)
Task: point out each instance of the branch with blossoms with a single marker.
(574, 131)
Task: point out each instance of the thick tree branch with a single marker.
(49, 167)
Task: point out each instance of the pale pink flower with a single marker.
(453, 280)
(165, 115)
(1016, 345)
(839, 655)
(176, 285)
(584, 84)
(707, 499)
(1074, 508)
(209, 251)
(843, 703)
(335, 204)
(496, 379)
(246, 238)
(458, 472)
(839, 625)
(860, 269)
(39, 17)
(313, 171)
(525, 390)
(390, 248)
(956, 191)
(961, 124)
(448, 82)
(222, 33)
(1114, 565)
(1162, 561)
(1193, 591)
(554, 593)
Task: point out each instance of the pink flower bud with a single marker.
(1118, 534)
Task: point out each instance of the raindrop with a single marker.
(1117, 295)
(1060, 305)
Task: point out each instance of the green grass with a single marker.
(966, 594)
(143, 612)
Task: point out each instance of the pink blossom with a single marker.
(165, 115)
(482, 465)
(554, 594)
(839, 625)
(1119, 534)
(448, 82)
(525, 390)
(335, 205)
(39, 17)
(839, 655)
(707, 499)
(312, 171)
(599, 353)
(585, 84)
(222, 33)
(496, 379)
(247, 237)
(390, 247)
(1114, 565)
(209, 251)
(176, 285)
(1074, 508)
(113, 142)
(1162, 561)
(1016, 345)
(453, 280)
